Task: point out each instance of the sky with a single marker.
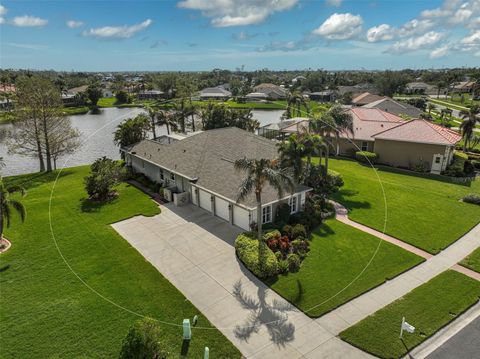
(193, 35)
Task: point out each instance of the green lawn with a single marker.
(338, 255)
(107, 102)
(428, 308)
(472, 261)
(422, 210)
(47, 312)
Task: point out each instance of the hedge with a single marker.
(249, 250)
(366, 157)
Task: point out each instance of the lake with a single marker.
(97, 139)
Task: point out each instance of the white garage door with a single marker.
(193, 196)
(240, 218)
(205, 201)
(221, 209)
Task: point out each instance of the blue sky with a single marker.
(206, 34)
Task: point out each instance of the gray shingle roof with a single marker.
(396, 107)
(208, 160)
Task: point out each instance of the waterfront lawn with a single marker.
(107, 102)
(338, 268)
(422, 210)
(472, 261)
(428, 308)
(47, 312)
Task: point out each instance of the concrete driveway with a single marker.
(195, 252)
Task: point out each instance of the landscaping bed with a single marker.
(47, 312)
(423, 210)
(428, 308)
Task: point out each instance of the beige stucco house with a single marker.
(399, 143)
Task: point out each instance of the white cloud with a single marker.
(461, 15)
(3, 10)
(439, 52)
(336, 3)
(27, 46)
(244, 36)
(473, 39)
(72, 24)
(381, 32)
(474, 23)
(415, 27)
(117, 32)
(340, 26)
(415, 43)
(2, 20)
(446, 9)
(28, 21)
(237, 13)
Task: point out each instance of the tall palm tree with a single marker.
(152, 114)
(295, 101)
(470, 118)
(7, 204)
(259, 173)
(313, 145)
(292, 152)
(167, 118)
(341, 121)
(323, 126)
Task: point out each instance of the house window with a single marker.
(267, 214)
(364, 146)
(293, 204)
(172, 176)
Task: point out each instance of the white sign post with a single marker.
(407, 327)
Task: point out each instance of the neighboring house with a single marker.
(397, 142)
(357, 89)
(200, 169)
(215, 93)
(107, 93)
(322, 96)
(273, 92)
(398, 108)
(419, 88)
(68, 99)
(464, 86)
(7, 88)
(281, 130)
(417, 143)
(365, 98)
(77, 90)
(151, 95)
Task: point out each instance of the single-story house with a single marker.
(215, 93)
(397, 142)
(200, 170)
(357, 89)
(464, 86)
(420, 88)
(398, 108)
(151, 95)
(365, 98)
(106, 92)
(77, 90)
(273, 92)
(7, 88)
(322, 96)
(68, 99)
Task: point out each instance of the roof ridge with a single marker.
(391, 128)
(442, 129)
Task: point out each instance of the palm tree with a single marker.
(259, 173)
(131, 131)
(341, 121)
(295, 101)
(152, 114)
(313, 145)
(431, 107)
(470, 118)
(168, 119)
(6, 205)
(292, 152)
(323, 127)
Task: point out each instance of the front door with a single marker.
(437, 163)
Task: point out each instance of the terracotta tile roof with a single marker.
(365, 98)
(420, 131)
(369, 121)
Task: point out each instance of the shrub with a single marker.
(287, 230)
(476, 164)
(472, 198)
(144, 340)
(105, 174)
(293, 262)
(300, 245)
(256, 256)
(299, 231)
(366, 157)
(283, 266)
(456, 169)
(283, 213)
